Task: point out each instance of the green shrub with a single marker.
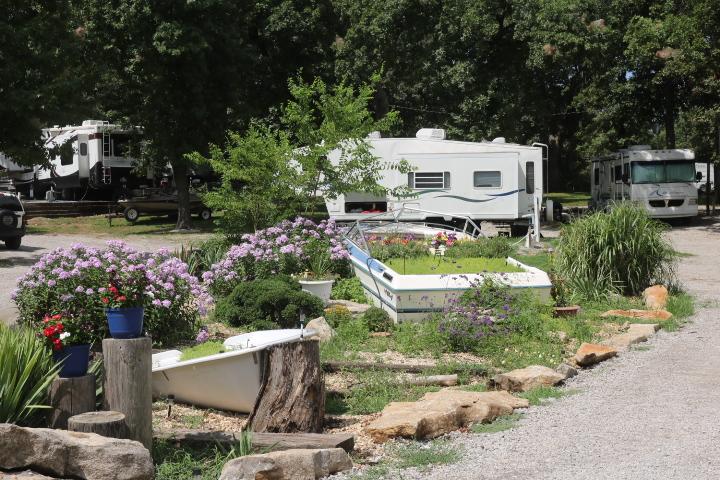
(26, 371)
(492, 247)
(278, 300)
(619, 251)
(377, 320)
(349, 289)
(337, 315)
(199, 258)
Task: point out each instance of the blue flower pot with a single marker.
(125, 322)
(75, 360)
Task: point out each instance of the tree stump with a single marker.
(292, 395)
(128, 384)
(70, 396)
(107, 424)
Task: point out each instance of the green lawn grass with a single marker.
(500, 424)
(202, 350)
(440, 265)
(98, 225)
(569, 199)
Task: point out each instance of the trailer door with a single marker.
(83, 156)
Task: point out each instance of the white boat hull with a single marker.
(225, 381)
(414, 297)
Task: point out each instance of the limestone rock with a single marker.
(591, 353)
(524, 379)
(636, 333)
(644, 314)
(354, 307)
(647, 329)
(656, 297)
(437, 413)
(73, 454)
(323, 330)
(566, 370)
(300, 464)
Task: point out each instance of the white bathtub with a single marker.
(226, 381)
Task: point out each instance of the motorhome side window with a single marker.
(529, 177)
(66, 153)
(83, 148)
(597, 175)
(423, 180)
(618, 173)
(487, 179)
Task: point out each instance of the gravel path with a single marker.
(14, 263)
(649, 414)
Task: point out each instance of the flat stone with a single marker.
(300, 464)
(644, 314)
(656, 297)
(73, 454)
(354, 307)
(647, 329)
(438, 413)
(323, 330)
(591, 353)
(24, 475)
(636, 333)
(566, 370)
(524, 379)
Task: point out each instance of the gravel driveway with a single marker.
(14, 263)
(649, 414)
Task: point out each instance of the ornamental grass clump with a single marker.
(80, 282)
(621, 251)
(282, 249)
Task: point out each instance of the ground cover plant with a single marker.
(400, 455)
(349, 289)
(80, 282)
(622, 251)
(203, 349)
(500, 424)
(439, 265)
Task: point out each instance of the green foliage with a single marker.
(421, 338)
(337, 315)
(278, 300)
(491, 247)
(202, 350)
(173, 462)
(26, 373)
(200, 258)
(500, 424)
(438, 265)
(377, 388)
(621, 250)
(349, 289)
(682, 306)
(539, 395)
(241, 447)
(423, 454)
(397, 247)
(377, 320)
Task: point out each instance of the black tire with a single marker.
(205, 214)
(131, 214)
(13, 243)
(8, 219)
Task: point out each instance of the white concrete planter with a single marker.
(437, 251)
(319, 288)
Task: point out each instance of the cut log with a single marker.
(71, 396)
(292, 395)
(261, 441)
(340, 366)
(105, 423)
(442, 380)
(128, 384)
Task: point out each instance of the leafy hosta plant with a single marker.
(26, 371)
(79, 282)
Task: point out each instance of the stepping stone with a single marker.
(591, 353)
(644, 314)
(524, 379)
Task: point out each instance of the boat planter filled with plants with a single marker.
(400, 275)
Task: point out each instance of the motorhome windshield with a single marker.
(663, 171)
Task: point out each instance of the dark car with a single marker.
(12, 220)
(153, 201)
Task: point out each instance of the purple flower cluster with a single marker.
(74, 280)
(277, 249)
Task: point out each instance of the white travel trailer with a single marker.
(662, 181)
(701, 168)
(91, 156)
(495, 181)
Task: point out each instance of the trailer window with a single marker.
(529, 177)
(66, 153)
(597, 176)
(422, 180)
(618, 173)
(487, 179)
(120, 145)
(83, 149)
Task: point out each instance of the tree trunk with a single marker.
(670, 115)
(128, 384)
(107, 424)
(71, 396)
(180, 175)
(292, 396)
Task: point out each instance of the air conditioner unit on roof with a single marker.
(431, 134)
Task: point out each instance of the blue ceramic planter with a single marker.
(125, 322)
(76, 359)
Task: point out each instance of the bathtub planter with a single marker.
(226, 381)
(75, 358)
(125, 322)
(319, 288)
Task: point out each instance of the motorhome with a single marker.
(92, 157)
(494, 181)
(701, 168)
(662, 181)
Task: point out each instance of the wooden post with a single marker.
(107, 424)
(292, 396)
(128, 384)
(70, 396)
